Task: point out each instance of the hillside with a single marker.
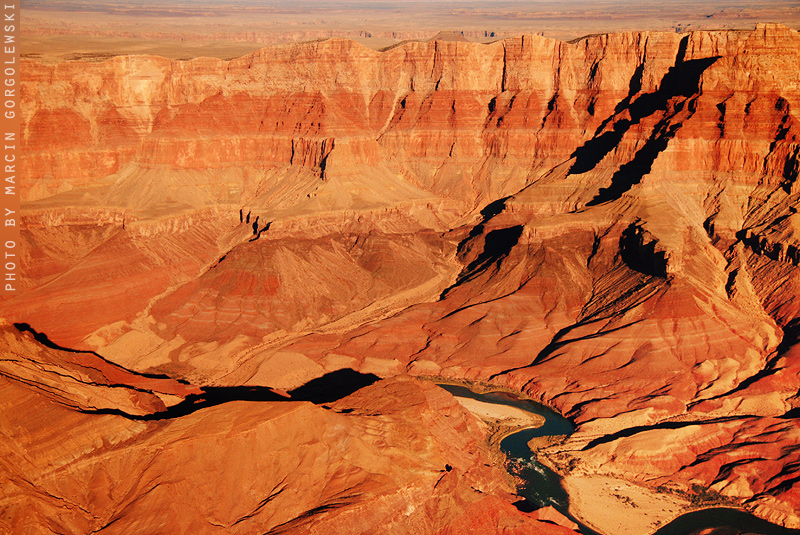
(606, 225)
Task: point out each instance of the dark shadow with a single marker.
(588, 155)
(791, 336)
(261, 231)
(631, 173)
(496, 245)
(630, 431)
(790, 165)
(641, 255)
(722, 521)
(45, 341)
(682, 80)
(791, 170)
(786, 485)
(792, 414)
(774, 251)
(333, 386)
(210, 397)
(328, 388)
(525, 506)
(559, 340)
(708, 226)
(489, 211)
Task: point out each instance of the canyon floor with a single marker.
(238, 273)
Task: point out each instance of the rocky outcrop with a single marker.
(607, 225)
(82, 380)
(357, 465)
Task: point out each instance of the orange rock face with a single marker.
(242, 466)
(606, 225)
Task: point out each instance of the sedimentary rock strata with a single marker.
(606, 225)
(361, 464)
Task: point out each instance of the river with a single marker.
(541, 486)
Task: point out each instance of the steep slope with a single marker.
(607, 225)
(354, 466)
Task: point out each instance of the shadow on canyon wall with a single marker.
(325, 389)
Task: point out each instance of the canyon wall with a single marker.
(606, 225)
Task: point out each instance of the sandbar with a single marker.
(626, 507)
(501, 414)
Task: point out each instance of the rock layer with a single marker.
(606, 225)
(358, 465)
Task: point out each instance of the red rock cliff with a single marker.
(607, 225)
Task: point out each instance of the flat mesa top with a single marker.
(62, 30)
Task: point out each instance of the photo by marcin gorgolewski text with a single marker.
(10, 238)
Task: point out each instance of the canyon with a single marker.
(605, 225)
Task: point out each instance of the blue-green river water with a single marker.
(541, 486)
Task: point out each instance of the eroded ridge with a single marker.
(607, 225)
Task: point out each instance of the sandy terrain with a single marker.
(627, 507)
(501, 414)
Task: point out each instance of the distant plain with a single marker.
(79, 29)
